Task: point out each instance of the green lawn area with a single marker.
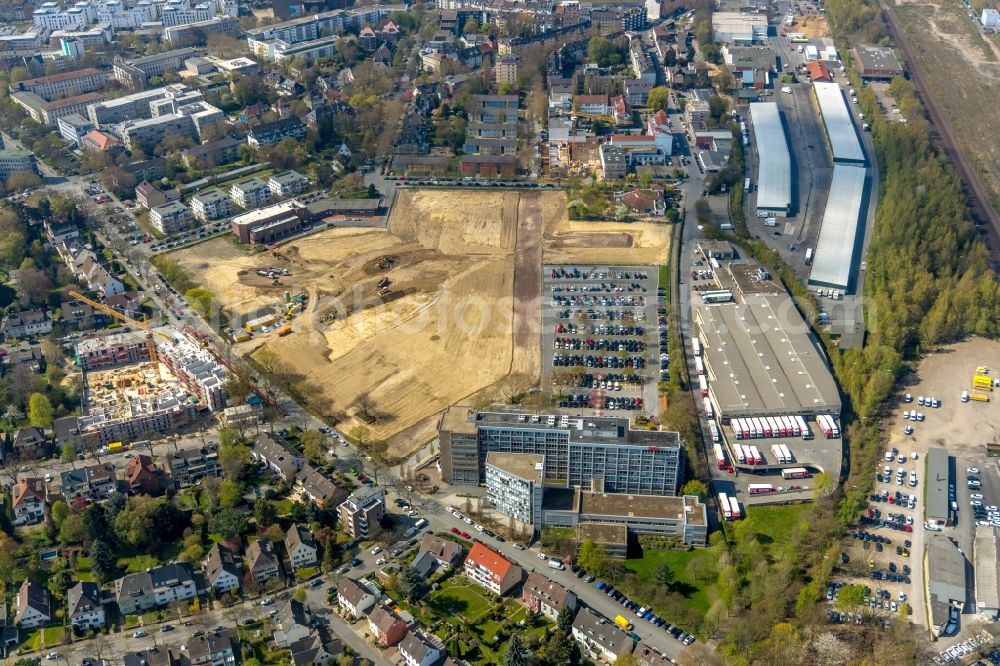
(678, 562)
(137, 563)
(32, 641)
(152, 617)
(306, 572)
(776, 522)
(459, 597)
(84, 572)
(131, 621)
(53, 635)
(771, 524)
(283, 506)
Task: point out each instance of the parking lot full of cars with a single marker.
(604, 329)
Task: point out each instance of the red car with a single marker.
(466, 535)
(455, 530)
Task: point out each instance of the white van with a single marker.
(770, 222)
(965, 396)
(556, 564)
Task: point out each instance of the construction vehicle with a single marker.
(982, 382)
(285, 330)
(154, 359)
(979, 396)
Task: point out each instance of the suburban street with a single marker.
(122, 643)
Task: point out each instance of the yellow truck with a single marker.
(114, 447)
(623, 623)
(979, 397)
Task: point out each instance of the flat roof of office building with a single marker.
(616, 533)
(761, 358)
(529, 466)
(774, 171)
(609, 430)
(878, 58)
(833, 261)
(276, 210)
(840, 130)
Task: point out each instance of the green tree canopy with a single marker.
(40, 411)
(228, 523)
(230, 494)
(659, 98)
(696, 488)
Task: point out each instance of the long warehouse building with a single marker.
(841, 133)
(761, 360)
(839, 240)
(774, 170)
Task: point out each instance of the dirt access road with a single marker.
(461, 310)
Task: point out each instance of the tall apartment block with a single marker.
(362, 511)
(576, 450)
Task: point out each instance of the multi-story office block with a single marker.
(515, 484)
(576, 449)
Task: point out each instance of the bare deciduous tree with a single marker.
(366, 404)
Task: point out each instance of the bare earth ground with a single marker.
(462, 309)
(962, 68)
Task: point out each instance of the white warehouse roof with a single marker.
(839, 234)
(840, 129)
(774, 171)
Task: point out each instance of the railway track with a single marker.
(976, 192)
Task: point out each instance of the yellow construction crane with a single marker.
(154, 360)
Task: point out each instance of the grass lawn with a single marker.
(678, 562)
(460, 597)
(518, 612)
(131, 621)
(137, 563)
(776, 522)
(53, 635)
(152, 617)
(306, 572)
(32, 641)
(283, 506)
(84, 576)
(771, 524)
(489, 629)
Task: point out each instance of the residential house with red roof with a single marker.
(491, 570)
(98, 140)
(541, 595)
(388, 627)
(818, 71)
(28, 501)
(144, 477)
